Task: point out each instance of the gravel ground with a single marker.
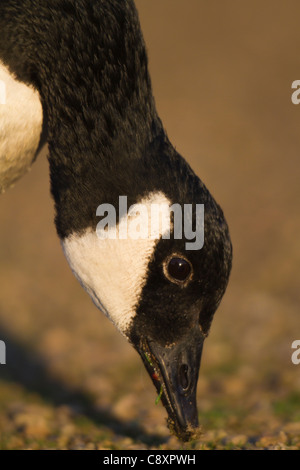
(222, 75)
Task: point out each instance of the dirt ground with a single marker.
(222, 75)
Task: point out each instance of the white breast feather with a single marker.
(21, 119)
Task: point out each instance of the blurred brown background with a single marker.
(222, 75)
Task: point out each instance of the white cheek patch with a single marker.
(113, 271)
(21, 119)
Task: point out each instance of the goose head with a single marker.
(158, 267)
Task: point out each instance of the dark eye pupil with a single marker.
(179, 268)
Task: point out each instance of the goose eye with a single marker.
(179, 269)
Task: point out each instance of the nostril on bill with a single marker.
(183, 376)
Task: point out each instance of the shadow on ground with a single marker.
(31, 372)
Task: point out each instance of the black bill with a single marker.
(174, 371)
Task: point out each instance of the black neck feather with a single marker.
(88, 61)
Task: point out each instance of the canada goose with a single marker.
(76, 71)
